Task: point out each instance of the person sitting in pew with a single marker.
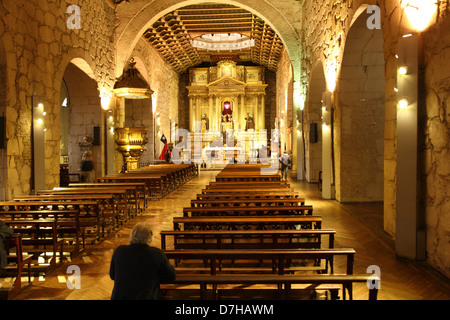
(5, 231)
(137, 269)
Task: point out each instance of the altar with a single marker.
(227, 97)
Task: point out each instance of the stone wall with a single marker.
(360, 116)
(435, 145)
(284, 100)
(163, 80)
(327, 43)
(39, 46)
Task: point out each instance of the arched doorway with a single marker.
(359, 116)
(81, 123)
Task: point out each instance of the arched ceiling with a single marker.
(171, 36)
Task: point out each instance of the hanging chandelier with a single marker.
(131, 85)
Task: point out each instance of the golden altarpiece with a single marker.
(227, 97)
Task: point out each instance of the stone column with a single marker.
(198, 116)
(218, 118)
(211, 110)
(256, 113)
(191, 114)
(263, 112)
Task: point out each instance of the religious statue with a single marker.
(249, 122)
(205, 123)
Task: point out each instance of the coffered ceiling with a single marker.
(171, 36)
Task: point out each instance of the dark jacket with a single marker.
(137, 271)
(5, 231)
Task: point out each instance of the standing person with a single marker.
(285, 161)
(168, 156)
(5, 231)
(137, 269)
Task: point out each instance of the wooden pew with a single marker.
(160, 179)
(248, 177)
(247, 239)
(17, 261)
(89, 212)
(247, 223)
(106, 204)
(233, 202)
(247, 211)
(139, 190)
(242, 195)
(249, 185)
(155, 184)
(114, 201)
(283, 283)
(279, 261)
(39, 238)
(248, 190)
(67, 222)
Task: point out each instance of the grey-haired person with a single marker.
(138, 268)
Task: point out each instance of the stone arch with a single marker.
(148, 13)
(141, 67)
(312, 122)
(359, 115)
(79, 119)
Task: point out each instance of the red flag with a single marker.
(164, 150)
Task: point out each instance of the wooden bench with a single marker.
(67, 222)
(89, 212)
(247, 211)
(138, 187)
(279, 261)
(114, 201)
(126, 196)
(249, 177)
(247, 223)
(160, 179)
(249, 185)
(248, 190)
(242, 195)
(252, 239)
(211, 286)
(39, 238)
(155, 184)
(17, 261)
(247, 202)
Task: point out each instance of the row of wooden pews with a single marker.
(53, 226)
(246, 230)
(159, 179)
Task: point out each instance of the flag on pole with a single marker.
(164, 150)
